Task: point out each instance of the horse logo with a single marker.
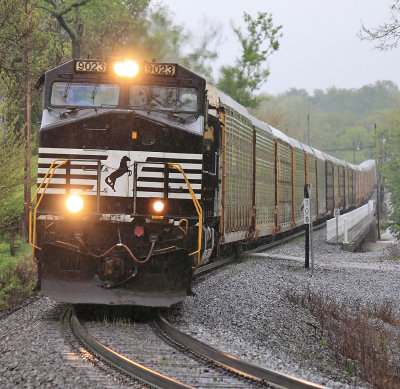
(123, 168)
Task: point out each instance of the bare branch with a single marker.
(386, 35)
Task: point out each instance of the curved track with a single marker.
(154, 351)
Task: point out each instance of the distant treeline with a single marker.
(340, 121)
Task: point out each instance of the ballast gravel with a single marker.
(34, 353)
(243, 311)
(240, 309)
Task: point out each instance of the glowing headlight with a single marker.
(128, 68)
(74, 203)
(158, 206)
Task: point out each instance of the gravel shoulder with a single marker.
(34, 352)
(242, 309)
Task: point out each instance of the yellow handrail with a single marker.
(199, 210)
(32, 232)
(186, 225)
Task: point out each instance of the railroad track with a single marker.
(159, 355)
(222, 262)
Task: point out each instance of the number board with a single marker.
(160, 69)
(90, 66)
(307, 211)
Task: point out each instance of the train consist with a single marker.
(146, 172)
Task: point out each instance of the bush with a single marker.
(365, 339)
(18, 275)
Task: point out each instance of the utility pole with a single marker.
(28, 121)
(308, 125)
(378, 184)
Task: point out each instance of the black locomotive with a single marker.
(146, 172)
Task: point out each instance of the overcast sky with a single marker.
(320, 47)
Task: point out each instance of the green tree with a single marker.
(164, 40)
(67, 13)
(12, 173)
(353, 144)
(386, 37)
(251, 69)
(330, 111)
(388, 158)
(96, 27)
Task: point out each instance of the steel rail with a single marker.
(232, 363)
(120, 362)
(222, 262)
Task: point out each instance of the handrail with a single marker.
(186, 225)
(199, 210)
(32, 232)
(52, 168)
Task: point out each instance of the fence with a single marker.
(351, 225)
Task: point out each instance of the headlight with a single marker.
(158, 206)
(127, 69)
(74, 203)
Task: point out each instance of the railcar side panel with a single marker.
(312, 174)
(347, 186)
(358, 184)
(342, 186)
(239, 175)
(265, 179)
(336, 193)
(321, 174)
(284, 185)
(330, 187)
(352, 188)
(299, 181)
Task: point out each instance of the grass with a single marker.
(393, 251)
(18, 274)
(365, 339)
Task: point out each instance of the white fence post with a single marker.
(345, 230)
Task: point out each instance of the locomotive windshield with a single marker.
(84, 94)
(164, 98)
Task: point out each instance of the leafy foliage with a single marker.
(337, 117)
(388, 156)
(250, 71)
(17, 274)
(353, 144)
(59, 29)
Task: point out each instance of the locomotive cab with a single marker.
(119, 217)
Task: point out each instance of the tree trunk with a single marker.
(28, 120)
